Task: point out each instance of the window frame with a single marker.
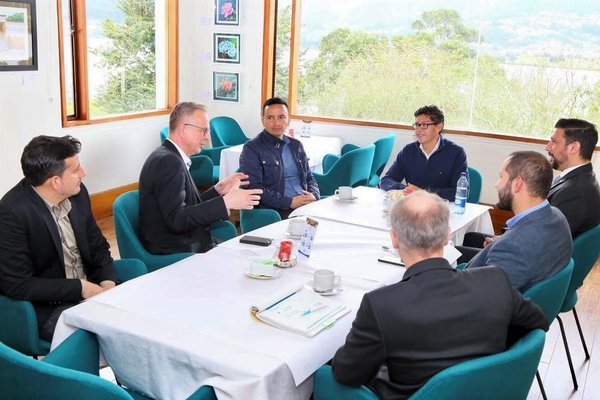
(268, 86)
(80, 79)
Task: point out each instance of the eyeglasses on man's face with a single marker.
(423, 125)
(204, 130)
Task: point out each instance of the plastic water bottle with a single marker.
(462, 192)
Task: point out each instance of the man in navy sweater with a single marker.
(431, 163)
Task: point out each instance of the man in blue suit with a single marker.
(538, 241)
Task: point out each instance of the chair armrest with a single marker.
(79, 352)
(19, 327)
(326, 387)
(348, 147)
(214, 153)
(328, 161)
(129, 268)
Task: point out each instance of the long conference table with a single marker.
(316, 147)
(169, 332)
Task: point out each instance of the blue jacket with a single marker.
(439, 174)
(262, 160)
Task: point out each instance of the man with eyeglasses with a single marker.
(432, 162)
(174, 216)
(278, 164)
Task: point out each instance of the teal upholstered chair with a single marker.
(549, 294)
(257, 218)
(383, 151)
(225, 131)
(19, 327)
(68, 372)
(586, 249)
(126, 216)
(203, 172)
(351, 169)
(506, 375)
(223, 230)
(475, 185)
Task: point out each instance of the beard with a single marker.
(505, 198)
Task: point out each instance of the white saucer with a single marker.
(293, 236)
(335, 196)
(336, 290)
(276, 274)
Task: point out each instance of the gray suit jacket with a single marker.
(535, 248)
(577, 195)
(433, 318)
(174, 217)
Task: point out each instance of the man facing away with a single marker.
(174, 216)
(576, 191)
(431, 162)
(435, 316)
(278, 164)
(52, 253)
(538, 241)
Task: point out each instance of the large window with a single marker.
(500, 66)
(118, 58)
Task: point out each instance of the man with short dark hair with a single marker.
(538, 241)
(52, 252)
(174, 216)
(278, 164)
(436, 316)
(432, 162)
(576, 191)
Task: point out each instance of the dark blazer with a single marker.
(577, 195)
(174, 216)
(535, 248)
(433, 318)
(262, 160)
(31, 255)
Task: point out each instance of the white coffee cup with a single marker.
(325, 280)
(344, 192)
(296, 226)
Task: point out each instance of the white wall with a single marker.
(113, 153)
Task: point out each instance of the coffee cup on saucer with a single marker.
(344, 193)
(325, 280)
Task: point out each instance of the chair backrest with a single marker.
(475, 185)
(127, 228)
(201, 170)
(586, 249)
(22, 377)
(257, 218)
(550, 293)
(506, 375)
(383, 151)
(225, 131)
(164, 134)
(223, 230)
(351, 169)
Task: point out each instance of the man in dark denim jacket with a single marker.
(277, 164)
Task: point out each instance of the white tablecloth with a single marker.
(316, 148)
(369, 209)
(187, 325)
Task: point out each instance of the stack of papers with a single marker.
(300, 310)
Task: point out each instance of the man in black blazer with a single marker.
(174, 216)
(52, 252)
(576, 191)
(435, 316)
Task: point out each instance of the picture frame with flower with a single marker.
(226, 48)
(227, 12)
(226, 86)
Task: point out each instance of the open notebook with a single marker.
(299, 310)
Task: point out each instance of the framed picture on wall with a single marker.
(227, 12)
(226, 48)
(18, 36)
(226, 86)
